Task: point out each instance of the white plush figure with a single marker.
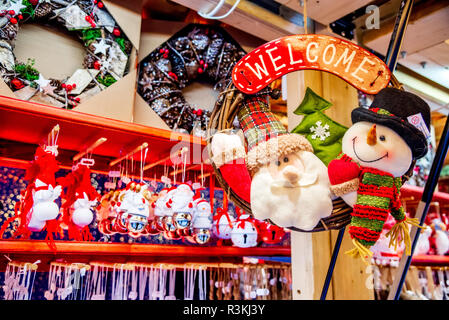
(36, 225)
(223, 225)
(44, 206)
(182, 206)
(167, 219)
(202, 222)
(203, 215)
(244, 233)
(284, 176)
(377, 151)
(441, 237)
(423, 245)
(391, 154)
(82, 214)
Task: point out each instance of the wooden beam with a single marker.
(325, 11)
(249, 18)
(428, 26)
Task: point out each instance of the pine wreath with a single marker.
(107, 48)
(195, 52)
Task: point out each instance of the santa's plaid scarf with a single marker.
(377, 196)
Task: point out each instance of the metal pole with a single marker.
(397, 36)
(330, 271)
(421, 211)
(391, 59)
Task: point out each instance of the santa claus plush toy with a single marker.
(182, 206)
(284, 175)
(138, 211)
(377, 150)
(170, 230)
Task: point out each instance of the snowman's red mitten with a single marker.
(229, 157)
(343, 175)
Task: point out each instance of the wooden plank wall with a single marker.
(350, 275)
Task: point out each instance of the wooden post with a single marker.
(311, 253)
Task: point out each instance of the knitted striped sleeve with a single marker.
(397, 211)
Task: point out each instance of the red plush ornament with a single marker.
(18, 84)
(116, 32)
(41, 176)
(269, 233)
(229, 157)
(342, 170)
(76, 208)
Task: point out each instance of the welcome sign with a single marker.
(355, 65)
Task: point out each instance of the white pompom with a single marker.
(44, 211)
(221, 142)
(441, 242)
(82, 216)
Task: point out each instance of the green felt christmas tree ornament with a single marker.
(323, 133)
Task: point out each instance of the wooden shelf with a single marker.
(25, 125)
(142, 250)
(416, 193)
(431, 260)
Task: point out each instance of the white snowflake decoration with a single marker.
(319, 131)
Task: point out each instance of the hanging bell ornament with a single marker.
(201, 235)
(152, 228)
(171, 235)
(168, 224)
(270, 233)
(136, 224)
(182, 220)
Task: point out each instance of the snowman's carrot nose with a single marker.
(371, 139)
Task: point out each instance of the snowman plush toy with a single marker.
(377, 150)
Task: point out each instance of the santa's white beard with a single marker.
(300, 207)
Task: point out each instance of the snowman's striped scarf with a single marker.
(377, 196)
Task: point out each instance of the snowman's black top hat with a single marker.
(391, 108)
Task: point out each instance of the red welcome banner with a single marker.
(355, 65)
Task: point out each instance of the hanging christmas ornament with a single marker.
(139, 211)
(182, 206)
(269, 233)
(202, 222)
(37, 209)
(78, 199)
(223, 224)
(244, 233)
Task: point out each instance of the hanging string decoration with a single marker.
(195, 53)
(19, 280)
(105, 62)
(67, 281)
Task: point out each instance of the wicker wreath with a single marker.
(107, 48)
(222, 119)
(197, 52)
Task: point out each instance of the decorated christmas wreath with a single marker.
(195, 52)
(107, 49)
